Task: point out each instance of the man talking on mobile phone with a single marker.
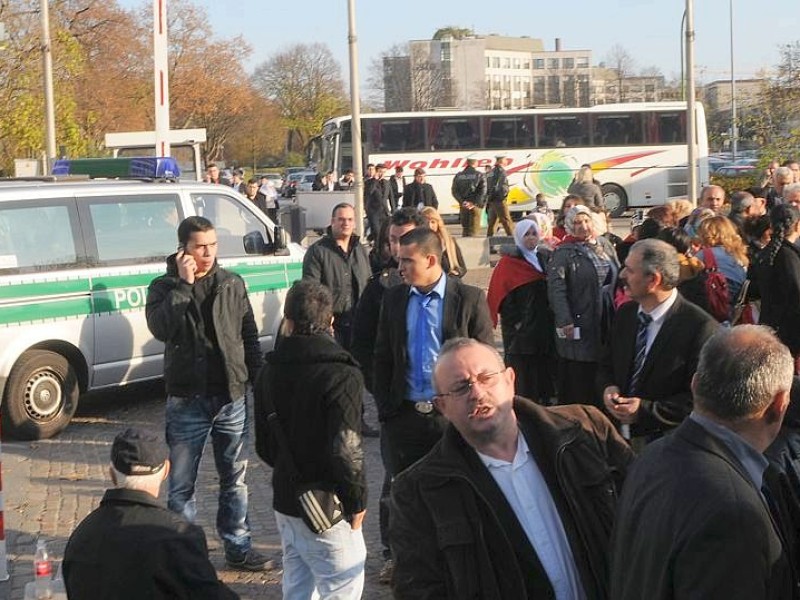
(203, 315)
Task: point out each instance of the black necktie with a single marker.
(640, 352)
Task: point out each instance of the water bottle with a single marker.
(42, 570)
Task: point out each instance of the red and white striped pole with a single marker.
(3, 556)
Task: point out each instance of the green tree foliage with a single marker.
(457, 33)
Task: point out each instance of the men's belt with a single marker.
(423, 407)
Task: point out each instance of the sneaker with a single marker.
(387, 572)
(252, 560)
(368, 431)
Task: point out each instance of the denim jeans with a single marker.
(190, 420)
(326, 566)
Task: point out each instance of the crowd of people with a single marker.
(634, 439)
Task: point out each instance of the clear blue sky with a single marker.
(648, 29)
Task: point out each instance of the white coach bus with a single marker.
(638, 152)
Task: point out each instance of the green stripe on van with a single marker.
(116, 293)
(42, 311)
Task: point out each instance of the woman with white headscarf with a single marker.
(582, 275)
(518, 294)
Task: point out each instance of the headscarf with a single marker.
(520, 229)
(569, 220)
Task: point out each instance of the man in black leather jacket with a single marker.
(516, 501)
(202, 314)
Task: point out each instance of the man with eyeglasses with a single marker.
(515, 501)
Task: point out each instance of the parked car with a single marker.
(76, 258)
(293, 180)
(304, 185)
(736, 171)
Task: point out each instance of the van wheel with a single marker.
(41, 396)
(615, 199)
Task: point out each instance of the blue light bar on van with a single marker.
(143, 166)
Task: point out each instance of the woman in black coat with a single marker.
(777, 272)
(518, 293)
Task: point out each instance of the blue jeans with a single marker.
(326, 566)
(190, 420)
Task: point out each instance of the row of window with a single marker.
(527, 131)
(117, 230)
(500, 62)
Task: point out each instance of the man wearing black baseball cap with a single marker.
(132, 546)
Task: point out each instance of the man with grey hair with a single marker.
(646, 370)
(132, 546)
(713, 197)
(791, 194)
(515, 501)
(782, 177)
(695, 519)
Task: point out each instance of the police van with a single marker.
(76, 258)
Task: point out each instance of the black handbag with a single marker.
(320, 509)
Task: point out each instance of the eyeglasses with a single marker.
(462, 390)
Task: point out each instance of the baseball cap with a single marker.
(136, 452)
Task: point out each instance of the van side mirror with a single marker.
(279, 244)
(254, 243)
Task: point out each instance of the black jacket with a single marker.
(454, 535)
(316, 388)
(416, 193)
(132, 547)
(174, 317)
(365, 319)
(691, 524)
(779, 286)
(665, 382)
(465, 314)
(378, 197)
(497, 185)
(345, 274)
(469, 186)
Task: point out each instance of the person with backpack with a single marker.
(724, 252)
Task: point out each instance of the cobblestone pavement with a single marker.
(51, 485)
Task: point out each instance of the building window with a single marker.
(526, 64)
(517, 63)
(488, 62)
(583, 62)
(552, 63)
(569, 63)
(495, 62)
(506, 63)
(538, 63)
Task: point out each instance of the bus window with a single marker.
(559, 131)
(396, 135)
(616, 130)
(665, 127)
(508, 132)
(451, 134)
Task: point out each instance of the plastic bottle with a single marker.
(43, 571)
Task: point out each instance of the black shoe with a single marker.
(367, 431)
(251, 560)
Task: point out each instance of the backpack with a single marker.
(709, 289)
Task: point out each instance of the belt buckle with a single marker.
(423, 407)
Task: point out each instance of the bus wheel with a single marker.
(615, 198)
(41, 396)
